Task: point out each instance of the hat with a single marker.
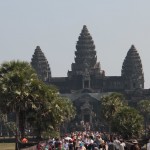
(91, 141)
(134, 141)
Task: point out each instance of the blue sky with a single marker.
(55, 25)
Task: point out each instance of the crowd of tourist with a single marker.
(88, 141)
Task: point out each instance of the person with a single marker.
(91, 145)
(99, 141)
(111, 145)
(81, 146)
(122, 145)
(65, 144)
(135, 145)
(70, 145)
(46, 147)
(117, 143)
(24, 140)
(60, 147)
(56, 143)
(51, 146)
(148, 145)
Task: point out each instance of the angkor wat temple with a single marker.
(86, 82)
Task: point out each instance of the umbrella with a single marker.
(68, 138)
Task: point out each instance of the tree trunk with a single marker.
(17, 129)
(109, 128)
(22, 123)
(39, 134)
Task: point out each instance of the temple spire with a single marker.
(40, 64)
(133, 47)
(132, 70)
(85, 55)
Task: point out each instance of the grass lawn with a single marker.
(7, 146)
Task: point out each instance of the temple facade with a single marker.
(86, 83)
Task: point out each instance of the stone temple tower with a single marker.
(132, 71)
(86, 59)
(86, 64)
(40, 64)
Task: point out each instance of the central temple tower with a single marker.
(86, 64)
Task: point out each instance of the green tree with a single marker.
(52, 111)
(110, 105)
(21, 92)
(15, 90)
(128, 122)
(144, 108)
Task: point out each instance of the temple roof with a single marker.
(132, 63)
(85, 41)
(58, 79)
(75, 96)
(132, 70)
(85, 54)
(40, 64)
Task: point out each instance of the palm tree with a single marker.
(38, 115)
(21, 92)
(110, 105)
(16, 78)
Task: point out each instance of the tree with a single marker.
(144, 109)
(52, 110)
(15, 90)
(128, 122)
(110, 105)
(21, 92)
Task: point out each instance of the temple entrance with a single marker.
(86, 118)
(86, 84)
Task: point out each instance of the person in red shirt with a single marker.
(24, 140)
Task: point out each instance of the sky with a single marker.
(55, 26)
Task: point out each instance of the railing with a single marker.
(27, 146)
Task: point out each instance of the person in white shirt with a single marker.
(122, 145)
(148, 145)
(117, 143)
